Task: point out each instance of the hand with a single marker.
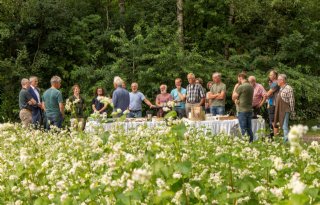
(32, 102)
(152, 106)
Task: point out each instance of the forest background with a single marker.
(152, 42)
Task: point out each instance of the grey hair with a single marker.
(191, 74)
(134, 83)
(55, 79)
(118, 81)
(253, 77)
(24, 81)
(283, 76)
(32, 78)
(216, 74)
(164, 86)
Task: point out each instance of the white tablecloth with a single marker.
(217, 126)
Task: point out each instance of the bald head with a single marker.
(252, 80)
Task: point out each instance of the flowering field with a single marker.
(164, 165)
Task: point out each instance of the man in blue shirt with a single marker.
(136, 98)
(179, 96)
(120, 97)
(272, 95)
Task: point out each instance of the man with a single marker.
(259, 96)
(120, 96)
(242, 95)
(53, 104)
(179, 96)
(195, 95)
(284, 105)
(25, 103)
(136, 99)
(162, 99)
(217, 95)
(35, 93)
(271, 95)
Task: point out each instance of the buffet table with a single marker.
(229, 127)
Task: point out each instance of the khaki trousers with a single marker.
(25, 117)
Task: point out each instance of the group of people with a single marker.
(248, 96)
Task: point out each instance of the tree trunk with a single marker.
(122, 6)
(230, 22)
(180, 22)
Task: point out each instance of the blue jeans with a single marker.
(55, 120)
(245, 124)
(285, 126)
(135, 114)
(181, 112)
(217, 110)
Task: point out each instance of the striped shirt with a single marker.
(286, 93)
(194, 93)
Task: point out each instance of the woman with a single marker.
(98, 106)
(77, 109)
(162, 99)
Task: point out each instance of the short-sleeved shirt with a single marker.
(121, 99)
(245, 92)
(258, 92)
(215, 89)
(272, 99)
(78, 107)
(24, 98)
(136, 101)
(194, 93)
(163, 98)
(51, 98)
(97, 104)
(175, 96)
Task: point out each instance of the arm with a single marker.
(235, 95)
(221, 96)
(202, 101)
(182, 96)
(61, 107)
(148, 102)
(103, 108)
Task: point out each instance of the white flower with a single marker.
(259, 189)
(18, 202)
(63, 197)
(130, 185)
(203, 198)
(273, 172)
(176, 175)
(278, 192)
(296, 185)
(177, 197)
(76, 101)
(119, 110)
(51, 196)
(166, 109)
(304, 155)
(196, 192)
(141, 175)
(126, 112)
(277, 163)
(33, 187)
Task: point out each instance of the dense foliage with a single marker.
(89, 42)
(159, 165)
